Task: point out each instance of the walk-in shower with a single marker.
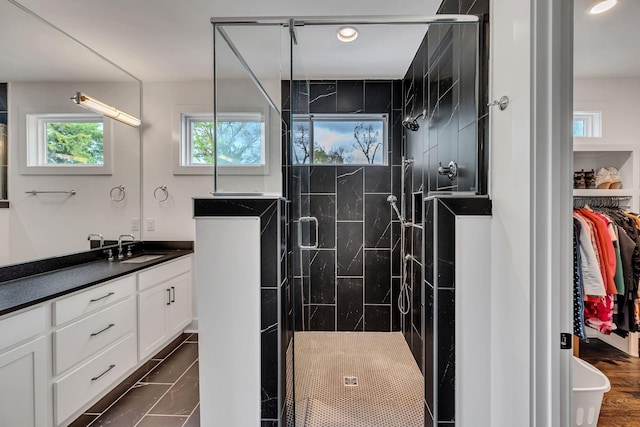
(345, 113)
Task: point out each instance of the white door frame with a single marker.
(551, 202)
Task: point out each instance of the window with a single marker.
(67, 144)
(358, 139)
(587, 124)
(241, 137)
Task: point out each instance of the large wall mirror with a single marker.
(59, 193)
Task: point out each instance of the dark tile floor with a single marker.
(161, 393)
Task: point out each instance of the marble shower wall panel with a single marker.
(439, 309)
(429, 306)
(323, 207)
(395, 293)
(446, 354)
(350, 249)
(350, 196)
(377, 277)
(348, 285)
(446, 90)
(350, 304)
(273, 329)
(321, 317)
(350, 97)
(443, 80)
(378, 225)
(322, 277)
(377, 318)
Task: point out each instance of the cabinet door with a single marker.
(179, 315)
(152, 328)
(23, 385)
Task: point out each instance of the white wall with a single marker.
(617, 98)
(162, 103)
(161, 113)
(49, 225)
(510, 182)
(5, 226)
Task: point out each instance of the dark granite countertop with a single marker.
(28, 284)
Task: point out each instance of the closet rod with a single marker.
(600, 201)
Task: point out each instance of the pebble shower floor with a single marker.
(389, 390)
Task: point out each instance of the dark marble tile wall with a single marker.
(439, 284)
(347, 284)
(479, 8)
(441, 81)
(275, 314)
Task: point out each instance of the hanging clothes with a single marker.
(578, 288)
(606, 270)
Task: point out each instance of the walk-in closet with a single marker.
(606, 201)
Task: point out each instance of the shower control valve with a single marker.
(451, 170)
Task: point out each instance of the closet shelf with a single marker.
(593, 192)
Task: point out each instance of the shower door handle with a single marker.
(302, 220)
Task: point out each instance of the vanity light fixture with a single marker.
(602, 6)
(347, 33)
(93, 104)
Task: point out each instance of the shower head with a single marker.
(411, 123)
(392, 199)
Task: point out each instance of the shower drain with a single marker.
(350, 381)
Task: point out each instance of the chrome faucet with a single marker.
(120, 254)
(96, 235)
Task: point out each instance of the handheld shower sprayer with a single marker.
(392, 201)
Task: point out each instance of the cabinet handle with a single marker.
(169, 300)
(108, 369)
(106, 296)
(111, 325)
(173, 288)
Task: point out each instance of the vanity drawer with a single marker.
(95, 376)
(22, 326)
(92, 299)
(89, 335)
(163, 272)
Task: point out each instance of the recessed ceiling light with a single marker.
(602, 6)
(347, 33)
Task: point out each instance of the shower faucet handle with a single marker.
(450, 171)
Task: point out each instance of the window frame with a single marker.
(346, 117)
(183, 164)
(34, 158)
(592, 122)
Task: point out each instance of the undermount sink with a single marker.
(141, 259)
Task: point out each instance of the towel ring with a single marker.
(163, 189)
(119, 195)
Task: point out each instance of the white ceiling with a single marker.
(169, 40)
(606, 45)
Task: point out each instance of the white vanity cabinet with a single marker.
(23, 369)
(96, 344)
(60, 357)
(164, 304)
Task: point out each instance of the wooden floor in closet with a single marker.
(621, 405)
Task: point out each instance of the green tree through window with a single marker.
(240, 142)
(75, 143)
